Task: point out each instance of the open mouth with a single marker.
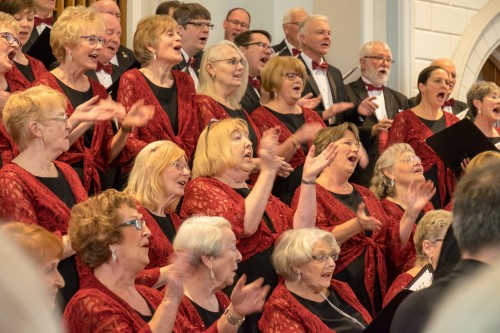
(182, 183)
(497, 111)
(325, 44)
(297, 88)
(94, 56)
(327, 274)
(383, 71)
(11, 55)
(204, 39)
(441, 95)
(177, 47)
(248, 155)
(264, 60)
(352, 159)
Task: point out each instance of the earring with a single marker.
(299, 275)
(479, 110)
(392, 182)
(212, 76)
(212, 274)
(113, 255)
(41, 141)
(154, 55)
(70, 56)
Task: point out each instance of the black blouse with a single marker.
(167, 97)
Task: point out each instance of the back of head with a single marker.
(165, 7)
(189, 11)
(13, 7)
(430, 228)
(7, 21)
(476, 217)
(106, 6)
(483, 158)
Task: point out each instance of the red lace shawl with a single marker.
(24, 198)
(399, 284)
(408, 128)
(17, 81)
(382, 246)
(188, 319)
(283, 313)
(133, 87)
(8, 148)
(94, 158)
(265, 120)
(96, 309)
(209, 196)
(208, 108)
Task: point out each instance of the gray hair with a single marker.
(308, 20)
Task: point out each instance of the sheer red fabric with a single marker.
(17, 81)
(266, 120)
(399, 284)
(381, 247)
(94, 158)
(8, 148)
(283, 313)
(208, 108)
(408, 128)
(96, 309)
(188, 319)
(209, 196)
(133, 87)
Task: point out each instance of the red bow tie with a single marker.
(254, 82)
(108, 68)
(48, 21)
(371, 87)
(323, 66)
(450, 103)
(295, 52)
(191, 62)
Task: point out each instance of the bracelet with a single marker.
(308, 182)
(127, 129)
(231, 319)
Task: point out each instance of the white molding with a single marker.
(367, 23)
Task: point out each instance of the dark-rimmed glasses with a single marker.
(137, 223)
(381, 58)
(11, 39)
(241, 24)
(202, 25)
(260, 44)
(324, 257)
(292, 76)
(232, 61)
(93, 40)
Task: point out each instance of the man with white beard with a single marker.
(375, 61)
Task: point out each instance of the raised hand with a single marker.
(337, 108)
(367, 222)
(382, 126)
(138, 114)
(284, 169)
(96, 109)
(250, 298)
(363, 157)
(267, 150)
(308, 101)
(314, 165)
(367, 106)
(4, 95)
(307, 132)
(419, 193)
(182, 267)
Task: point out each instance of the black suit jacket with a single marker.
(34, 35)
(126, 57)
(415, 311)
(250, 100)
(183, 64)
(285, 51)
(394, 102)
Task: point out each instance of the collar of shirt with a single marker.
(308, 61)
(289, 46)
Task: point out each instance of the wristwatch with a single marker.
(232, 319)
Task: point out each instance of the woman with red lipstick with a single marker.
(26, 69)
(157, 47)
(76, 41)
(415, 125)
(283, 78)
(370, 242)
(305, 300)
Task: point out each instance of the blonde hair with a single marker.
(201, 235)
(429, 228)
(327, 135)
(94, 226)
(479, 91)
(145, 181)
(481, 159)
(23, 107)
(148, 32)
(295, 248)
(8, 21)
(380, 183)
(70, 26)
(213, 157)
(207, 85)
(274, 71)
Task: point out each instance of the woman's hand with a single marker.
(267, 151)
(363, 157)
(182, 267)
(96, 109)
(382, 126)
(306, 132)
(4, 95)
(284, 169)
(464, 164)
(366, 222)
(419, 193)
(309, 102)
(138, 115)
(314, 165)
(248, 299)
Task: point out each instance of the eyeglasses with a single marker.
(63, 118)
(9, 38)
(180, 166)
(411, 159)
(292, 76)
(260, 44)
(494, 96)
(241, 24)
(324, 257)
(209, 126)
(233, 61)
(137, 223)
(381, 59)
(202, 25)
(93, 40)
(438, 240)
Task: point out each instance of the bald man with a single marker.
(290, 46)
(124, 57)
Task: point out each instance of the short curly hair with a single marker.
(94, 226)
(295, 247)
(147, 34)
(68, 28)
(380, 183)
(432, 224)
